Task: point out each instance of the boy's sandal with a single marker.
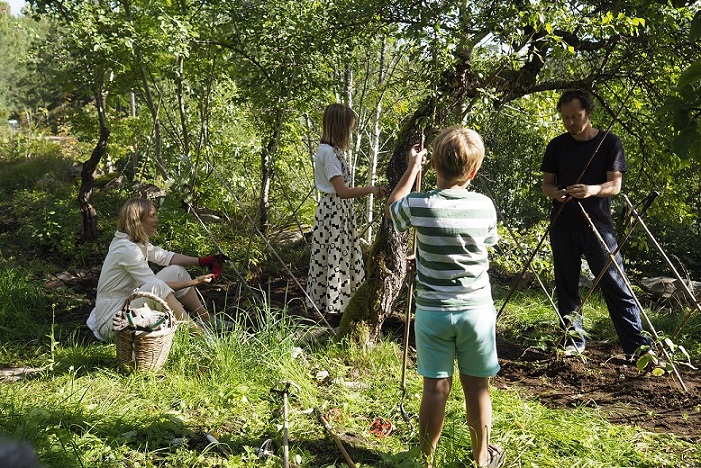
(496, 456)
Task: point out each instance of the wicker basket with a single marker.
(143, 350)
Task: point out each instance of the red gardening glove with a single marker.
(214, 262)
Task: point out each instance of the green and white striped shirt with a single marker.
(454, 228)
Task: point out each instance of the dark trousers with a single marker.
(568, 246)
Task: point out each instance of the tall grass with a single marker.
(81, 411)
(25, 311)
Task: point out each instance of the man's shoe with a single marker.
(574, 349)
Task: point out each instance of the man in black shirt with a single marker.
(571, 237)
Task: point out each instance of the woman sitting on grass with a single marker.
(126, 268)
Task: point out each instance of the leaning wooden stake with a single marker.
(685, 287)
(333, 435)
(635, 298)
(407, 321)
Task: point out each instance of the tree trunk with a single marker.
(87, 176)
(372, 170)
(158, 139)
(375, 140)
(311, 147)
(372, 303)
(267, 167)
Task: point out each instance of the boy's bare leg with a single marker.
(432, 412)
(478, 406)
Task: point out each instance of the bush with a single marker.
(50, 223)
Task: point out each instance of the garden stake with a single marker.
(285, 426)
(333, 435)
(529, 264)
(285, 429)
(635, 298)
(407, 319)
(646, 204)
(519, 246)
(272, 249)
(687, 290)
(221, 251)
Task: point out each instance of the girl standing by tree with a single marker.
(336, 267)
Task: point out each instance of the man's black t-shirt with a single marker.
(566, 157)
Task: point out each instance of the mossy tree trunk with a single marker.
(372, 303)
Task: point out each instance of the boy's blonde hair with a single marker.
(457, 153)
(338, 121)
(130, 217)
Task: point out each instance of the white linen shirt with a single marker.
(326, 167)
(125, 269)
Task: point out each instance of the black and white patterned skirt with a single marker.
(336, 266)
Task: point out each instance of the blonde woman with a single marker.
(336, 266)
(126, 268)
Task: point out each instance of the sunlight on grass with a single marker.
(82, 411)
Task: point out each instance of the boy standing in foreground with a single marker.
(455, 313)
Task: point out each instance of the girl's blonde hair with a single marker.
(338, 121)
(457, 153)
(130, 217)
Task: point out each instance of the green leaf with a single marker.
(690, 75)
(642, 362)
(695, 30)
(672, 103)
(695, 149)
(687, 145)
(658, 372)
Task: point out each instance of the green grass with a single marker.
(79, 410)
(25, 311)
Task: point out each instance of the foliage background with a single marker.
(216, 106)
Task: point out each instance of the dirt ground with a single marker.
(602, 380)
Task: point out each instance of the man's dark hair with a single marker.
(585, 99)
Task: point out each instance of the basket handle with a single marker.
(148, 295)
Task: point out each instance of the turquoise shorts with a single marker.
(469, 335)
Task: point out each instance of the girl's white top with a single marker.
(326, 166)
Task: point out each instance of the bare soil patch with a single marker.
(606, 381)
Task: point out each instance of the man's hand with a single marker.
(560, 194)
(582, 190)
